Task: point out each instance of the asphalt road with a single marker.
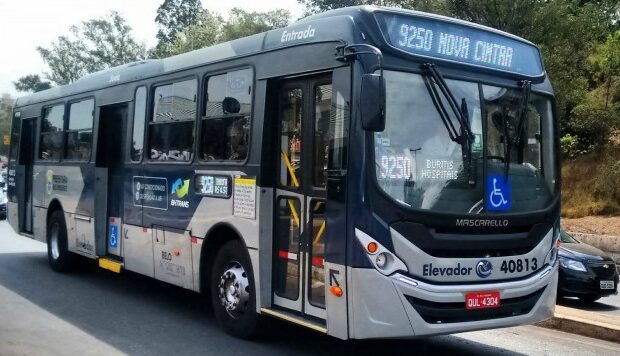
(95, 312)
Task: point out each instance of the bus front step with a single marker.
(110, 264)
(282, 315)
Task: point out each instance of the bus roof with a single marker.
(334, 25)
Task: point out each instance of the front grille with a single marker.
(442, 313)
(472, 244)
(603, 272)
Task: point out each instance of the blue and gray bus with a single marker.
(366, 172)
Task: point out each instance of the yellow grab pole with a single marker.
(291, 171)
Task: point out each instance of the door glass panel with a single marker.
(290, 138)
(15, 128)
(322, 105)
(316, 260)
(288, 220)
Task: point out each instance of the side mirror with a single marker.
(372, 102)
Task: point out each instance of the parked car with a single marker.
(585, 271)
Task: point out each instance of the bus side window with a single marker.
(80, 130)
(15, 138)
(171, 130)
(226, 116)
(139, 116)
(52, 128)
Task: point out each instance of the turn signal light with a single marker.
(558, 243)
(336, 291)
(372, 247)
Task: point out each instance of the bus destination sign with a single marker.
(449, 41)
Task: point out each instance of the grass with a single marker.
(581, 195)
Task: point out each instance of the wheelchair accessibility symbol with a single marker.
(498, 193)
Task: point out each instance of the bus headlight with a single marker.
(381, 258)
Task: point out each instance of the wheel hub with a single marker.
(234, 290)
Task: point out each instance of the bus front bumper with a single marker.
(398, 306)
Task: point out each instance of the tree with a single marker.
(95, 45)
(511, 16)
(31, 83)
(5, 121)
(174, 16)
(205, 33)
(242, 23)
(212, 29)
(606, 62)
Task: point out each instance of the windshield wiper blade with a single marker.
(525, 99)
(439, 82)
(517, 140)
(466, 147)
(507, 145)
(441, 109)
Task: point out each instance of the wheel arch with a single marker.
(52, 207)
(215, 238)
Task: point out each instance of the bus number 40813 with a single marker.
(519, 265)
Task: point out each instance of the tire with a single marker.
(589, 299)
(234, 305)
(59, 257)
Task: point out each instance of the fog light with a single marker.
(381, 260)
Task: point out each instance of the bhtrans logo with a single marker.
(288, 36)
(482, 222)
(180, 188)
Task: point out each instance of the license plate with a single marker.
(482, 300)
(607, 284)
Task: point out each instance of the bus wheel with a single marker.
(59, 257)
(233, 294)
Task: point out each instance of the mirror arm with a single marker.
(353, 51)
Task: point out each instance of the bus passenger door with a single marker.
(299, 231)
(26, 160)
(109, 179)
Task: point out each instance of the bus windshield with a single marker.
(504, 169)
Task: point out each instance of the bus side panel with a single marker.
(15, 194)
(138, 250)
(172, 251)
(132, 211)
(39, 221)
(72, 187)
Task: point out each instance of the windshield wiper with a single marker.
(525, 98)
(435, 80)
(517, 140)
(464, 135)
(466, 146)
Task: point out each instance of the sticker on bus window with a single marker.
(113, 238)
(498, 193)
(244, 198)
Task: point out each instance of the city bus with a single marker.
(367, 172)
